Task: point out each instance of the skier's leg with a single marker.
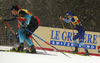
(83, 46)
(32, 27)
(21, 35)
(75, 43)
(81, 40)
(30, 43)
(28, 40)
(75, 38)
(21, 40)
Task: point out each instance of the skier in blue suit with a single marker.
(80, 35)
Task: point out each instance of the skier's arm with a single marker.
(21, 19)
(28, 18)
(12, 19)
(67, 20)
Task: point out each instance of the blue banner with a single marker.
(61, 43)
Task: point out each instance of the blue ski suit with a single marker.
(80, 35)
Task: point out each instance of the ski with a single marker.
(40, 53)
(78, 54)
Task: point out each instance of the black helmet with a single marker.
(14, 7)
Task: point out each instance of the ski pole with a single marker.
(18, 24)
(47, 43)
(39, 45)
(65, 32)
(10, 27)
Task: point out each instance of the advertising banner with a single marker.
(57, 37)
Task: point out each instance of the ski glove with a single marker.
(5, 20)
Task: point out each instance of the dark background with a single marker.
(49, 11)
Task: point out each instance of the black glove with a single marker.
(5, 20)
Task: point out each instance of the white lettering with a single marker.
(92, 47)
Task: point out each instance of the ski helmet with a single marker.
(70, 13)
(15, 7)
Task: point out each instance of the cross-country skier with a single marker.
(27, 21)
(80, 35)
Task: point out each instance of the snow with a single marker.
(13, 57)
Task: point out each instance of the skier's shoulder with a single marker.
(22, 12)
(73, 18)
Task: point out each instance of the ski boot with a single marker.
(87, 53)
(32, 50)
(76, 50)
(18, 49)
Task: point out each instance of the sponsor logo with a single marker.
(60, 39)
